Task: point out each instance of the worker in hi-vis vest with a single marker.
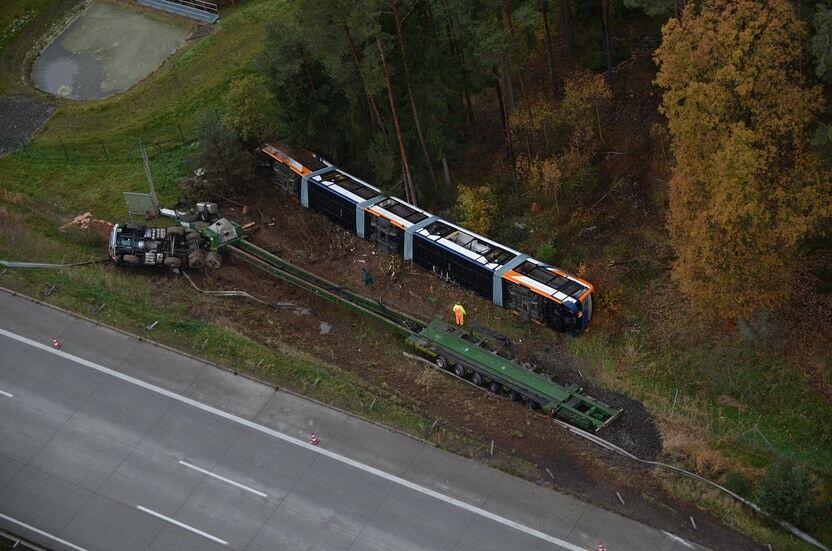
(459, 313)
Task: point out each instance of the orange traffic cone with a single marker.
(56, 344)
(314, 440)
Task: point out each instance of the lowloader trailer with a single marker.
(458, 352)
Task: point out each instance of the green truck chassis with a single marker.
(451, 349)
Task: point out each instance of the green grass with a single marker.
(15, 16)
(191, 82)
(131, 307)
(41, 188)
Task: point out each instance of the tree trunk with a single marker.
(445, 171)
(566, 26)
(306, 70)
(605, 29)
(410, 192)
(407, 81)
(466, 82)
(507, 82)
(375, 114)
(506, 129)
(550, 52)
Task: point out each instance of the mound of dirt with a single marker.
(20, 118)
(635, 430)
(87, 222)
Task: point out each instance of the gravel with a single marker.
(20, 118)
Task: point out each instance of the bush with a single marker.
(738, 484)
(477, 208)
(228, 166)
(546, 253)
(788, 493)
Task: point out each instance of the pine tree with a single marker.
(746, 188)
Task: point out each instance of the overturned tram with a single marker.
(536, 291)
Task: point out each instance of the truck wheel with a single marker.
(441, 362)
(172, 262)
(533, 405)
(213, 260)
(196, 259)
(191, 236)
(477, 379)
(459, 370)
(495, 387)
(515, 396)
(131, 259)
(176, 230)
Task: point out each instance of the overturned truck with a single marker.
(173, 247)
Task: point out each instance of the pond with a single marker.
(107, 49)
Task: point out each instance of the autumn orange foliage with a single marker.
(746, 189)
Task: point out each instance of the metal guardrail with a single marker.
(197, 5)
(11, 541)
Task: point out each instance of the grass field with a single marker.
(724, 387)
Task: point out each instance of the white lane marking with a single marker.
(42, 533)
(674, 537)
(6, 394)
(181, 525)
(300, 443)
(218, 477)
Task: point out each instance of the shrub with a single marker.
(737, 483)
(477, 208)
(546, 253)
(788, 493)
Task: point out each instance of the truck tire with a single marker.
(515, 396)
(213, 260)
(459, 370)
(196, 259)
(172, 262)
(477, 379)
(533, 405)
(495, 387)
(131, 260)
(191, 236)
(441, 362)
(176, 230)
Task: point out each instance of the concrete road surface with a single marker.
(112, 443)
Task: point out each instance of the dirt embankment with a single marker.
(344, 339)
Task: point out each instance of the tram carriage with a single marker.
(536, 291)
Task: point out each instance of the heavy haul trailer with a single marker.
(536, 291)
(451, 348)
(455, 351)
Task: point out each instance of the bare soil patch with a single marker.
(352, 343)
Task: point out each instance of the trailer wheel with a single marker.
(477, 379)
(533, 405)
(176, 230)
(172, 262)
(459, 370)
(495, 387)
(213, 260)
(515, 396)
(131, 259)
(441, 362)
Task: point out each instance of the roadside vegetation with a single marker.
(555, 145)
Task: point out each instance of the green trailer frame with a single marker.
(439, 340)
(450, 346)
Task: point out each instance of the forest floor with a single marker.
(690, 395)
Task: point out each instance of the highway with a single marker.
(112, 443)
